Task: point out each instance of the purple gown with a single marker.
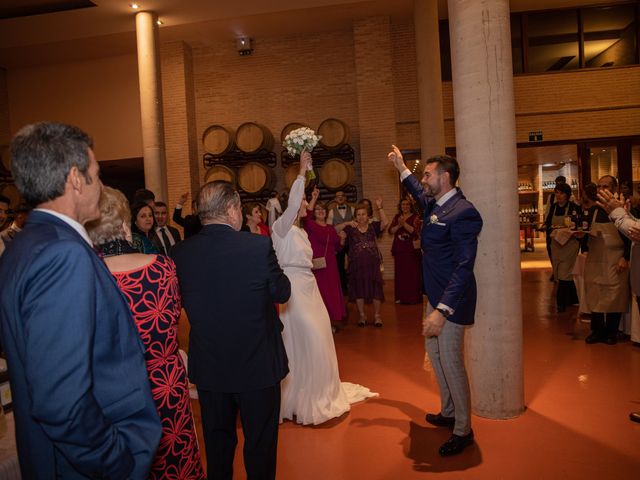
(325, 238)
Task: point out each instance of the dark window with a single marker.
(553, 41)
(516, 44)
(609, 36)
(445, 51)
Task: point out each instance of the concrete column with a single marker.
(486, 149)
(155, 175)
(425, 14)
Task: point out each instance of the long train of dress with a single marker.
(312, 391)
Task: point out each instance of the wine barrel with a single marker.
(335, 174)
(289, 127)
(217, 140)
(335, 133)
(220, 172)
(254, 177)
(10, 191)
(5, 158)
(291, 173)
(251, 137)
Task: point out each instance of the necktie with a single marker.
(165, 240)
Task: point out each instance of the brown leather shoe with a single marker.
(456, 444)
(634, 417)
(440, 421)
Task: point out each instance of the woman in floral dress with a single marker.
(150, 285)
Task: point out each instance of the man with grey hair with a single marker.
(230, 281)
(82, 401)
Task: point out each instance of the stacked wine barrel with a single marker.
(245, 157)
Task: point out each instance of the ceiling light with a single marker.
(160, 22)
(134, 5)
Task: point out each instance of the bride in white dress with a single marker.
(312, 391)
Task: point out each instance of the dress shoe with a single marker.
(456, 444)
(593, 338)
(439, 421)
(378, 321)
(611, 340)
(634, 417)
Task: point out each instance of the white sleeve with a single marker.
(404, 174)
(283, 224)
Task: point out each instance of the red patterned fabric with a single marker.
(154, 299)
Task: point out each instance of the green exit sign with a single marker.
(535, 136)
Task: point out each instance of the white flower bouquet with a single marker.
(299, 140)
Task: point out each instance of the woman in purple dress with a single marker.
(405, 228)
(325, 243)
(365, 277)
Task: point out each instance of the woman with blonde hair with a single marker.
(150, 285)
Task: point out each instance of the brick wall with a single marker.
(181, 141)
(376, 115)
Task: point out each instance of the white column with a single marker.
(486, 150)
(155, 174)
(425, 14)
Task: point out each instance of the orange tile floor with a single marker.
(575, 426)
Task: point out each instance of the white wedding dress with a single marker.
(312, 391)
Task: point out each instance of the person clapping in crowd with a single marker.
(365, 260)
(150, 285)
(405, 228)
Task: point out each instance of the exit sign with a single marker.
(535, 136)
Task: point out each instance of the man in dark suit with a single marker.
(167, 235)
(191, 223)
(449, 244)
(230, 281)
(83, 405)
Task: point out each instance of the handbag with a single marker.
(319, 263)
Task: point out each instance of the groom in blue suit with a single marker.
(81, 395)
(449, 245)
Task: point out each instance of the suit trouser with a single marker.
(446, 355)
(260, 416)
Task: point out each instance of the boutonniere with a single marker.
(433, 219)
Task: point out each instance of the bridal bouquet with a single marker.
(300, 139)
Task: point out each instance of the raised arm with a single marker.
(314, 199)
(408, 180)
(283, 224)
(384, 221)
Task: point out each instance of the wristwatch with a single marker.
(445, 313)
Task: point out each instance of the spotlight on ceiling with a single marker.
(134, 5)
(244, 46)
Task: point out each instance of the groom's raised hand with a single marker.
(395, 157)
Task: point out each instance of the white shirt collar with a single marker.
(69, 221)
(443, 199)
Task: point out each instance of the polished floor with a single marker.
(575, 425)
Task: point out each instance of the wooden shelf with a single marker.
(527, 192)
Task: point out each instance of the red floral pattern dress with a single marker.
(154, 298)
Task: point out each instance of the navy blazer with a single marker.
(81, 394)
(449, 246)
(230, 282)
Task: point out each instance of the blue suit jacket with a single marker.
(83, 405)
(449, 247)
